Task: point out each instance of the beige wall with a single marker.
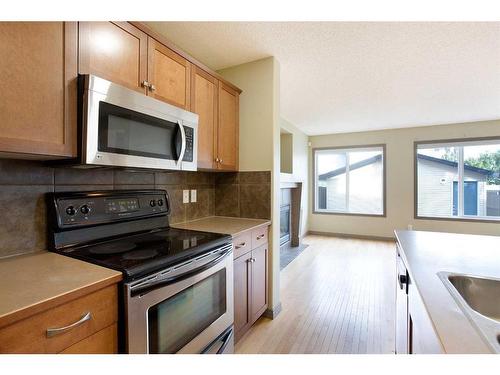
(300, 169)
(260, 141)
(400, 181)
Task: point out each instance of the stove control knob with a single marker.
(160, 202)
(70, 210)
(152, 203)
(85, 209)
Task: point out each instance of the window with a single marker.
(459, 180)
(350, 180)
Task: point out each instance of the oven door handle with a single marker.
(143, 289)
(183, 142)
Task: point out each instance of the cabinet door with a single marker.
(259, 282)
(38, 70)
(228, 128)
(116, 51)
(170, 74)
(204, 89)
(241, 294)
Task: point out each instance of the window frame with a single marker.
(347, 148)
(456, 142)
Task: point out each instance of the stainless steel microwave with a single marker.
(124, 128)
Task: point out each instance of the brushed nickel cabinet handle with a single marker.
(239, 246)
(146, 84)
(251, 260)
(220, 161)
(261, 236)
(51, 332)
(216, 160)
(152, 87)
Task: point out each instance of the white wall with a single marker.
(259, 148)
(400, 180)
(300, 169)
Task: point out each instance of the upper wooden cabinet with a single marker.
(38, 71)
(228, 128)
(169, 75)
(116, 51)
(204, 92)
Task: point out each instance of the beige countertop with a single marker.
(35, 282)
(426, 254)
(221, 224)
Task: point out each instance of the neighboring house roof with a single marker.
(374, 159)
(359, 164)
(455, 164)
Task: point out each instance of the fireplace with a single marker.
(285, 221)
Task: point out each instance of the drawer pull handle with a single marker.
(51, 332)
(251, 260)
(261, 236)
(239, 246)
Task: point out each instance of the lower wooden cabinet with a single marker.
(84, 325)
(250, 284)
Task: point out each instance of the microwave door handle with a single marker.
(183, 143)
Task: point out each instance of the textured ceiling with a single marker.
(355, 76)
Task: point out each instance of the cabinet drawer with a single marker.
(30, 335)
(242, 244)
(259, 237)
(103, 342)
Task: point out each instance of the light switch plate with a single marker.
(185, 196)
(193, 195)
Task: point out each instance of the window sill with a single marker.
(461, 218)
(316, 212)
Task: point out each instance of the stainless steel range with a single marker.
(178, 284)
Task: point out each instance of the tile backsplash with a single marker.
(24, 183)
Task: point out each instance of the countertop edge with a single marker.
(262, 223)
(36, 308)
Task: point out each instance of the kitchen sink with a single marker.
(479, 298)
(481, 294)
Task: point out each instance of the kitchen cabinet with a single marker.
(122, 53)
(242, 295)
(204, 93)
(38, 79)
(116, 51)
(250, 280)
(228, 129)
(85, 324)
(415, 333)
(169, 75)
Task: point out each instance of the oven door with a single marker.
(124, 128)
(184, 316)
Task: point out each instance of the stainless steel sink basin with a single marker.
(481, 294)
(479, 299)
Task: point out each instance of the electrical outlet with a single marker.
(185, 196)
(193, 195)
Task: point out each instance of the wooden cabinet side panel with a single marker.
(38, 71)
(170, 74)
(204, 94)
(116, 51)
(242, 292)
(228, 128)
(259, 282)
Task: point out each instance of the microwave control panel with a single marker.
(188, 154)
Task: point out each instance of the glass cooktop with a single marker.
(137, 255)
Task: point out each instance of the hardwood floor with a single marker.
(338, 296)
